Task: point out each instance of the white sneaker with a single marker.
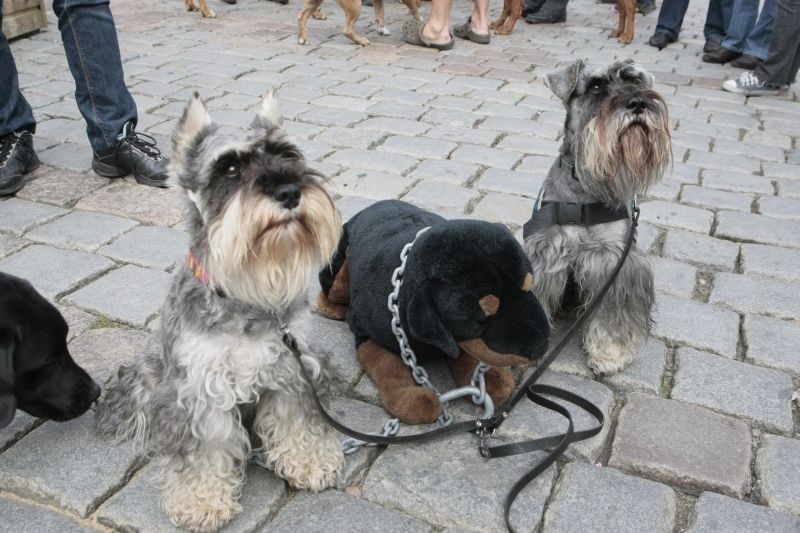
(748, 84)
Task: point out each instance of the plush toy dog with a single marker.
(465, 293)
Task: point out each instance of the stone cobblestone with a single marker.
(439, 195)
(677, 216)
(695, 324)
(714, 512)
(18, 216)
(777, 461)
(773, 343)
(700, 249)
(149, 246)
(771, 261)
(780, 299)
(81, 230)
(758, 228)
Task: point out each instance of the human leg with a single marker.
(718, 17)
(743, 20)
(758, 41)
(780, 67)
(670, 18)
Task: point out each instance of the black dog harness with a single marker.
(486, 427)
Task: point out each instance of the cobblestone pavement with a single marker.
(702, 431)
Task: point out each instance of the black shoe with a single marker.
(17, 158)
(229, 1)
(367, 3)
(645, 8)
(547, 15)
(284, 2)
(723, 55)
(660, 40)
(746, 62)
(529, 7)
(134, 153)
(711, 47)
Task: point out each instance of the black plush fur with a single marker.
(449, 269)
(37, 372)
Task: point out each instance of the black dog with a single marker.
(37, 373)
(466, 293)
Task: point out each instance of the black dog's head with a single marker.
(37, 372)
(469, 286)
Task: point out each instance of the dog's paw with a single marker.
(615, 33)
(311, 469)
(319, 14)
(625, 39)
(383, 30)
(196, 512)
(208, 13)
(302, 40)
(610, 359)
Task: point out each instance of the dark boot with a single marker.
(529, 7)
(551, 12)
(17, 158)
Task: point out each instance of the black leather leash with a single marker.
(534, 392)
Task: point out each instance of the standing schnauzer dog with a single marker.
(616, 145)
(260, 222)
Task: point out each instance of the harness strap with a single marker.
(565, 213)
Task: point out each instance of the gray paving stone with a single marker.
(65, 464)
(773, 343)
(137, 507)
(396, 110)
(62, 188)
(77, 320)
(700, 249)
(71, 156)
(777, 464)
(53, 271)
(734, 181)
(10, 244)
(758, 228)
(684, 173)
(336, 338)
(778, 207)
(350, 137)
(19, 216)
(350, 205)
(334, 511)
(436, 482)
(771, 261)
(439, 195)
(748, 294)
(371, 184)
(644, 373)
(752, 149)
(714, 512)
(372, 160)
(511, 182)
(780, 170)
(460, 134)
(150, 205)
(667, 190)
(695, 324)
(661, 213)
(682, 445)
(81, 230)
(646, 236)
(529, 420)
(364, 417)
(789, 188)
(506, 208)
(398, 95)
(758, 395)
(19, 426)
(492, 157)
(673, 277)
(100, 351)
(18, 516)
(130, 294)
(149, 246)
(716, 199)
(587, 498)
(396, 126)
(417, 147)
(456, 172)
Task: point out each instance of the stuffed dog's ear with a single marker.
(563, 82)
(8, 402)
(269, 114)
(424, 323)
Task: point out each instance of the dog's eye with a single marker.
(596, 87)
(232, 171)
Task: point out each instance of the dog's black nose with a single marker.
(637, 104)
(287, 195)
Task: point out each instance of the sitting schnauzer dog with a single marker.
(260, 222)
(616, 145)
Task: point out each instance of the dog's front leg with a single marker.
(203, 485)
(299, 446)
(551, 257)
(620, 326)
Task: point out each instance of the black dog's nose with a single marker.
(637, 104)
(287, 195)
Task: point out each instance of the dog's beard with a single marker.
(264, 255)
(624, 154)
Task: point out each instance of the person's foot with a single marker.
(660, 40)
(529, 7)
(645, 7)
(547, 15)
(134, 153)
(723, 55)
(711, 46)
(229, 1)
(17, 158)
(748, 84)
(746, 62)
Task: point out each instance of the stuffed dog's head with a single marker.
(468, 288)
(37, 372)
(260, 219)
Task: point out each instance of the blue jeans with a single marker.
(90, 43)
(670, 18)
(747, 36)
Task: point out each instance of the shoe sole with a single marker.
(33, 165)
(162, 184)
(108, 171)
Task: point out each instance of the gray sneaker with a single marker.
(748, 84)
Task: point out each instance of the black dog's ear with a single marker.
(8, 402)
(563, 82)
(424, 323)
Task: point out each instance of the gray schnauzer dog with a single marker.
(260, 223)
(616, 146)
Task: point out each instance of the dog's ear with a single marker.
(425, 324)
(195, 123)
(562, 82)
(269, 114)
(8, 402)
